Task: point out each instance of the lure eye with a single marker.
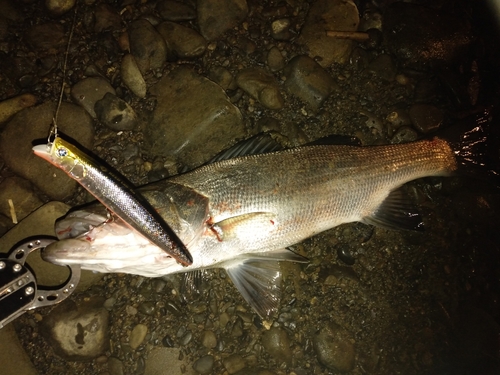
(61, 152)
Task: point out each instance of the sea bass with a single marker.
(116, 194)
(241, 214)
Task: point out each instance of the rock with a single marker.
(89, 91)
(422, 36)
(215, 17)
(132, 77)
(384, 67)
(307, 80)
(208, 339)
(334, 348)
(277, 344)
(280, 29)
(77, 332)
(33, 124)
(275, 60)
(147, 46)
(204, 365)
(404, 134)
(161, 358)
(47, 37)
(41, 223)
(262, 86)
(8, 11)
(234, 363)
(59, 7)
(115, 366)
(426, 117)
(222, 77)
(193, 119)
(23, 198)
(106, 18)
(182, 42)
(325, 15)
(137, 336)
(115, 113)
(13, 358)
(175, 11)
(10, 107)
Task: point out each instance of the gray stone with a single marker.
(182, 42)
(23, 198)
(132, 76)
(208, 339)
(308, 81)
(280, 29)
(193, 119)
(89, 91)
(33, 124)
(262, 86)
(175, 11)
(215, 17)
(234, 363)
(325, 15)
(275, 60)
(334, 347)
(77, 332)
(147, 46)
(115, 113)
(137, 335)
(204, 365)
(277, 344)
(426, 117)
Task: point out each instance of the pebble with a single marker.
(222, 77)
(334, 347)
(46, 37)
(277, 344)
(115, 113)
(115, 366)
(147, 46)
(325, 15)
(137, 335)
(59, 7)
(192, 118)
(308, 81)
(280, 29)
(21, 194)
(175, 11)
(106, 18)
(208, 339)
(262, 86)
(147, 308)
(404, 134)
(182, 42)
(10, 107)
(425, 117)
(89, 91)
(215, 17)
(204, 365)
(275, 60)
(132, 76)
(234, 363)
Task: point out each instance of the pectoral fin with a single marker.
(396, 212)
(258, 279)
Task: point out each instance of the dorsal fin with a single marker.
(396, 212)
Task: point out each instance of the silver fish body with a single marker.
(242, 213)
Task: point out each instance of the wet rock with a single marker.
(182, 42)
(161, 358)
(147, 46)
(193, 118)
(204, 365)
(115, 113)
(426, 117)
(384, 67)
(137, 336)
(325, 15)
(59, 7)
(132, 76)
(308, 81)
(334, 347)
(106, 18)
(47, 37)
(20, 192)
(77, 332)
(280, 29)
(215, 17)
(115, 366)
(222, 77)
(89, 91)
(422, 36)
(277, 344)
(175, 11)
(275, 60)
(10, 107)
(32, 124)
(208, 339)
(233, 363)
(404, 134)
(262, 86)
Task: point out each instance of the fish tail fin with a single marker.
(475, 141)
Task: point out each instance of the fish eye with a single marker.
(62, 152)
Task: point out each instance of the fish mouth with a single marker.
(43, 151)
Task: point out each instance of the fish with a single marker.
(244, 213)
(118, 195)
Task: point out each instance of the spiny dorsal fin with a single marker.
(396, 212)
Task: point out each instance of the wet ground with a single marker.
(371, 300)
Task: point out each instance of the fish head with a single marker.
(63, 155)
